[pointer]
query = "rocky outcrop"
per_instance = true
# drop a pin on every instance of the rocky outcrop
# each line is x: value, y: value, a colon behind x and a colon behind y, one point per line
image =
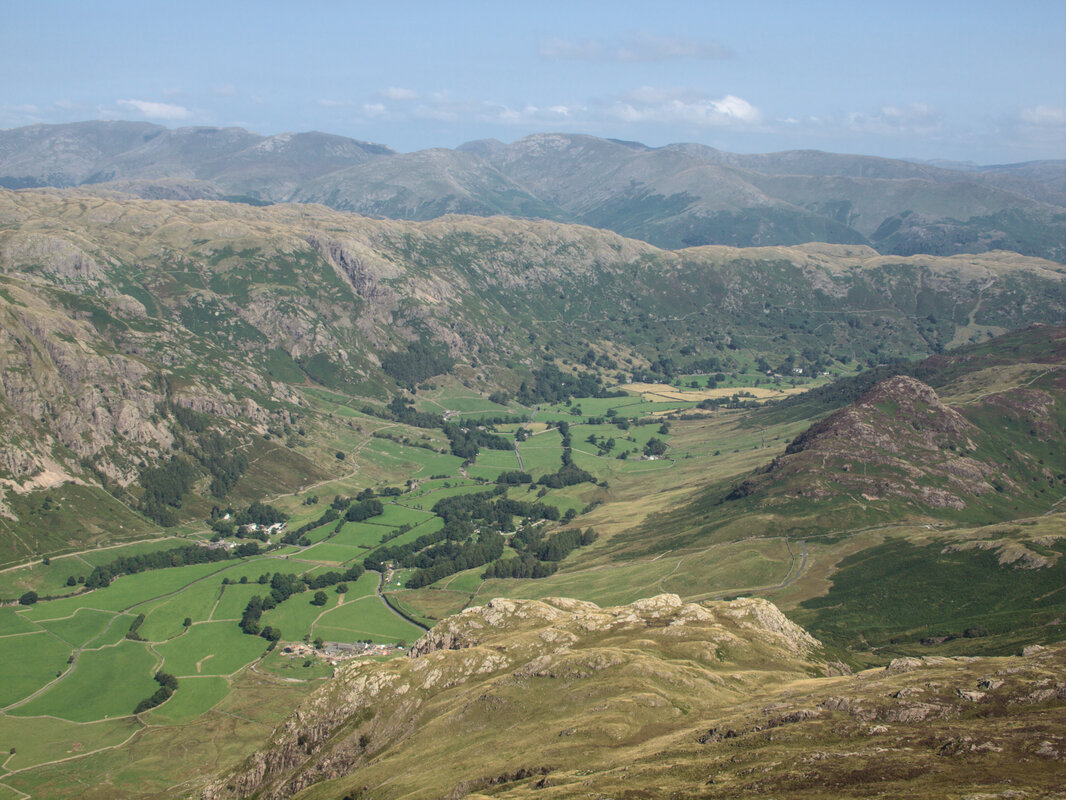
x: 481, y: 656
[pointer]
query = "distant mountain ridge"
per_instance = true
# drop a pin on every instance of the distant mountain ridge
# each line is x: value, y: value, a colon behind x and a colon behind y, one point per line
x: 679, y: 195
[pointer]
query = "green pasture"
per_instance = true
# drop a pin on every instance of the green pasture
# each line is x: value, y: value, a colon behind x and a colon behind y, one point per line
x: 542, y: 453
x: 42, y: 739
x: 396, y: 515
x: 210, y: 648
x: 427, y: 500
x: 316, y: 535
x: 331, y: 553
x: 366, y: 618
x: 28, y: 662
x: 235, y: 597
x: 294, y: 617
x: 166, y: 617
x: 468, y: 581
x: 102, y: 556
x: 196, y: 695
x: 104, y: 683
x: 85, y: 625
x: 407, y: 461
x: 127, y: 591
x: 362, y: 535
x: 431, y: 525
x: 12, y: 622
x: 505, y: 459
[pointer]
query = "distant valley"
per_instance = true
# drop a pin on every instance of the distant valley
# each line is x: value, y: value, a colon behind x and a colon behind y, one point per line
x: 642, y: 470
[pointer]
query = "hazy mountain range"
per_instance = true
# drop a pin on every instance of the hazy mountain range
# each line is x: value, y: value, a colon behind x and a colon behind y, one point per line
x: 679, y: 195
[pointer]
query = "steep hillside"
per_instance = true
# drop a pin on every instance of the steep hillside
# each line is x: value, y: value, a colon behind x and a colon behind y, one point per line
x: 124, y: 319
x: 680, y: 195
x: 564, y: 699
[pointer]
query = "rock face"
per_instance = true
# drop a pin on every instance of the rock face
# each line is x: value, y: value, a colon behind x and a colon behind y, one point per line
x: 561, y: 698
x: 615, y: 670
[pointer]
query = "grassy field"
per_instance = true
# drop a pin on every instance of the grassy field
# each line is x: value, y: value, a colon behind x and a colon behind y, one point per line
x: 196, y: 696
x: 210, y: 648
x: 28, y: 662
x: 103, y: 683
x: 366, y: 618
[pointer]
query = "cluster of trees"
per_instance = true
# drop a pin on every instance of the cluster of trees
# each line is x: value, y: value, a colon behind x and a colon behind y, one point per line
x: 521, y: 567
x: 241, y: 523
x: 168, y: 684
x: 201, y: 450
x: 176, y: 557
x: 402, y: 410
x: 467, y: 442
x: 164, y: 487
x: 568, y: 474
x: 284, y: 585
x: 417, y: 363
x: 550, y: 385
x: 538, y: 555
x: 533, y: 543
x: 365, y: 509
x: 452, y: 549
x: 135, y: 626
x: 449, y: 557
x: 514, y: 477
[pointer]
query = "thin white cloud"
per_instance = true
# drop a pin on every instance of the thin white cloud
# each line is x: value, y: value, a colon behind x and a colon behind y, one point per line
x: 397, y: 93
x: 153, y: 110
x: 639, y: 48
x: 325, y: 102
x: 224, y: 90
x: 910, y: 119
x: 1049, y: 116
x: 654, y: 105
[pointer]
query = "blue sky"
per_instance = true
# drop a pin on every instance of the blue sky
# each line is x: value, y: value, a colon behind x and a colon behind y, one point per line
x: 977, y: 81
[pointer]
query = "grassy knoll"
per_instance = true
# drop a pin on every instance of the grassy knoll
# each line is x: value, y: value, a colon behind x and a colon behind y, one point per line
x: 85, y: 625
x: 469, y: 581
x: 367, y: 618
x: 104, y: 683
x: 166, y: 617
x: 44, y: 739
x: 210, y: 648
x: 197, y: 696
x: 28, y: 662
